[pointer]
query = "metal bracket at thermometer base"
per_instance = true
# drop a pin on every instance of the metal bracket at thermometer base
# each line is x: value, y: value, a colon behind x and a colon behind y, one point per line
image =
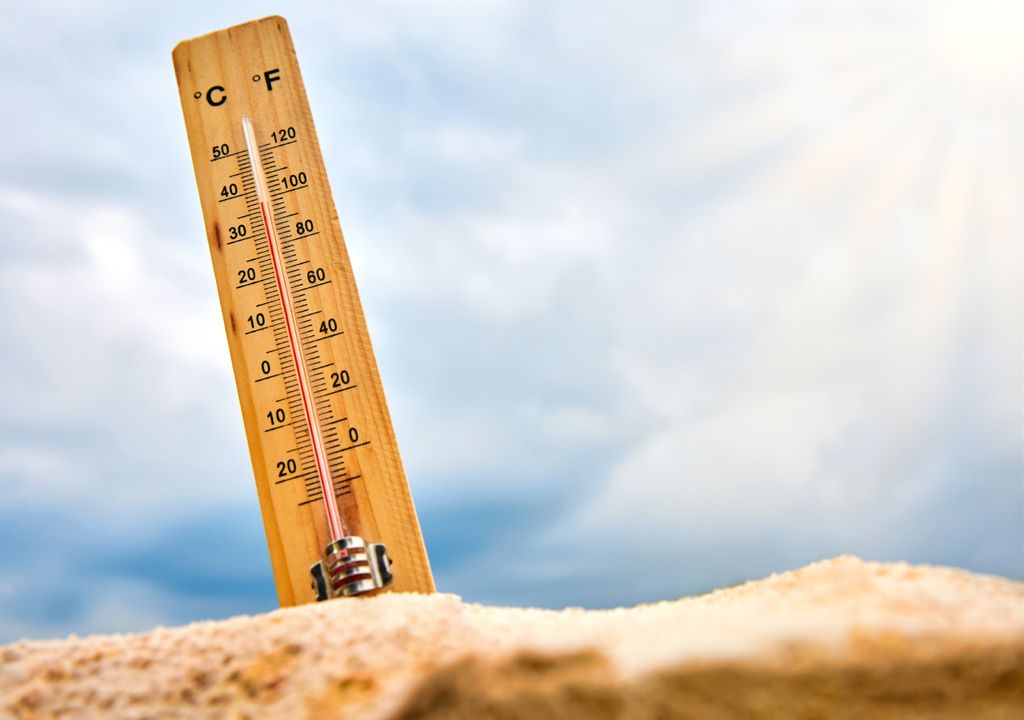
x: 351, y: 566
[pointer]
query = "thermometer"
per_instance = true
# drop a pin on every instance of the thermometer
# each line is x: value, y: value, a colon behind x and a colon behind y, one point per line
x: 336, y: 506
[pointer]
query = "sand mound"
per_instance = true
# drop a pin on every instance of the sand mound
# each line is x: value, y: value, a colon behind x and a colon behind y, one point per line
x: 841, y: 638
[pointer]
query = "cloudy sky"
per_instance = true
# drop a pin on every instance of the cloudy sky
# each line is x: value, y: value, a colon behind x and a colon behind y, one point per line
x: 700, y: 290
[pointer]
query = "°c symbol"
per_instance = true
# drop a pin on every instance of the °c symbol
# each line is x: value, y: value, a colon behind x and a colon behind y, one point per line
x: 220, y: 99
x: 197, y: 94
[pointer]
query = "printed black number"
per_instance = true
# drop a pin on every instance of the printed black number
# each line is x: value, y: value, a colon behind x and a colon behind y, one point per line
x: 265, y: 367
x: 294, y: 181
x: 247, y: 275
x: 316, y: 276
x: 257, y: 320
x: 306, y: 226
x: 237, y: 231
x: 220, y: 151
x: 340, y: 379
x: 276, y: 417
x: 329, y: 325
x: 353, y: 434
x: 286, y: 468
x: 287, y: 133
x: 229, y: 190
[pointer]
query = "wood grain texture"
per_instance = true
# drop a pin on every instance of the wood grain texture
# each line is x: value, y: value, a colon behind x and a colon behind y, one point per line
x: 252, y: 69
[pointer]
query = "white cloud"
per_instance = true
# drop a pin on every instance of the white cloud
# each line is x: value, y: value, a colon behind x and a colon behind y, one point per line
x: 821, y: 354
x: 109, y: 343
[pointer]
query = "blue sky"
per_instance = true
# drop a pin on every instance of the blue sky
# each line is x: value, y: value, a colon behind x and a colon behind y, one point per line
x: 702, y: 290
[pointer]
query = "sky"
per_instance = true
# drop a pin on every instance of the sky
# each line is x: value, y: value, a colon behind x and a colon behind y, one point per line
x: 665, y: 296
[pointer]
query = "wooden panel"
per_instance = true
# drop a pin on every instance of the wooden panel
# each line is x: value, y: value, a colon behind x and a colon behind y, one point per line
x: 251, y: 70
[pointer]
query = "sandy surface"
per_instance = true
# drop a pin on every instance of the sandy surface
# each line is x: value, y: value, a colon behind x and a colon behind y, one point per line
x: 840, y: 638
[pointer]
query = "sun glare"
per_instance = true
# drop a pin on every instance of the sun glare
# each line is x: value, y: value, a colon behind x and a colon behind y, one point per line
x: 980, y: 41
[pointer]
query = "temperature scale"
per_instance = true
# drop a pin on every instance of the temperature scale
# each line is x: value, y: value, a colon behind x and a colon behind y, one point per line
x: 336, y: 506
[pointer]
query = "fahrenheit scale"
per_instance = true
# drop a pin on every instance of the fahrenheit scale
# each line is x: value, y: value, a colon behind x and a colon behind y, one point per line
x: 336, y: 506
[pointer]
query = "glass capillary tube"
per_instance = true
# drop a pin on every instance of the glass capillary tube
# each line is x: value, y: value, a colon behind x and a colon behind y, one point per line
x: 334, y: 524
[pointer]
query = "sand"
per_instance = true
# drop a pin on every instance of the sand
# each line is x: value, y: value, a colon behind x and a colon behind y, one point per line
x: 840, y: 638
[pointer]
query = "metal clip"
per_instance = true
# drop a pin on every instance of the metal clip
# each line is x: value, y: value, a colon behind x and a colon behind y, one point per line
x: 351, y: 566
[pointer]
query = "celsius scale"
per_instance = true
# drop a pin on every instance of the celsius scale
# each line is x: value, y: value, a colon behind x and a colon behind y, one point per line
x: 336, y: 506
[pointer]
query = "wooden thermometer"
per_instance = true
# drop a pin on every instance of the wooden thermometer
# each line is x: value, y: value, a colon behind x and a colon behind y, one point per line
x: 336, y: 506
